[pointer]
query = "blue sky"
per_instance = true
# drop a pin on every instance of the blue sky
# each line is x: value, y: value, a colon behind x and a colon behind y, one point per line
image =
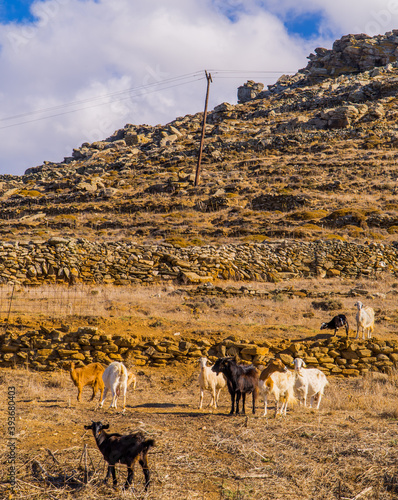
x: 16, y: 11
x: 75, y: 71
x: 305, y: 25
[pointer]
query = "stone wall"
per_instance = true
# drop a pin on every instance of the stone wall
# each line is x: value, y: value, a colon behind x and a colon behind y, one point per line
x: 78, y: 260
x: 48, y: 350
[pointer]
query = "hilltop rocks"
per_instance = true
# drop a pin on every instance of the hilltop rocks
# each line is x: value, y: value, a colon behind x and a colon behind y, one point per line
x: 249, y: 91
x: 354, y: 54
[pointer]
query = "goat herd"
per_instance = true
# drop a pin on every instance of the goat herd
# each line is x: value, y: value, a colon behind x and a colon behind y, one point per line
x: 286, y: 386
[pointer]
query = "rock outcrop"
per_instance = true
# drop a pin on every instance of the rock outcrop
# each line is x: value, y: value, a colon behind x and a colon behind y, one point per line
x: 354, y: 54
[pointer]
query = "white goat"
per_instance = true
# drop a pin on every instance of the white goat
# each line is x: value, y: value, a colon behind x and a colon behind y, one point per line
x: 210, y: 381
x: 309, y: 382
x: 365, y: 319
x: 278, y: 381
x: 116, y: 379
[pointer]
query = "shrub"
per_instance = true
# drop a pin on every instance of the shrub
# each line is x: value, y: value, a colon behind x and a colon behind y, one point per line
x: 255, y: 238
x: 343, y: 212
x: 334, y: 237
x: 327, y: 305
x: 376, y: 236
x: 31, y: 193
x: 177, y: 241
x: 353, y: 231
x: 312, y: 227
x: 308, y: 214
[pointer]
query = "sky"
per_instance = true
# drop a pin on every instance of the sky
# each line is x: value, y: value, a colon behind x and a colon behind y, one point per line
x: 74, y: 71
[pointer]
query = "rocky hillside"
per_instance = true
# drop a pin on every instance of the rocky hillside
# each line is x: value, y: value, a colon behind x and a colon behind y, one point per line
x: 312, y: 157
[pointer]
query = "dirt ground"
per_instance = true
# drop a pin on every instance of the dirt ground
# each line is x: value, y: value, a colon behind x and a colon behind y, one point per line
x: 348, y: 449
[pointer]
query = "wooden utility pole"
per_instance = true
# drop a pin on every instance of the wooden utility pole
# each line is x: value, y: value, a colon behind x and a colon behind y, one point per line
x: 209, y: 80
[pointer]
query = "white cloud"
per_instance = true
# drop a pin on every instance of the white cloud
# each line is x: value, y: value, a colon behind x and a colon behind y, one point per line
x: 79, y: 49
x: 341, y: 16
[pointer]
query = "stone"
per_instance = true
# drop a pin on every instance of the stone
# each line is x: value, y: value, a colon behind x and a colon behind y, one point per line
x: 249, y: 91
x: 363, y: 353
x: 286, y: 358
x: 255, y: 351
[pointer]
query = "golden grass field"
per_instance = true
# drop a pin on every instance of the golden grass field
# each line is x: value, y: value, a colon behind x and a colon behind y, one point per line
x: 347, y: 447
x: 346, y: 450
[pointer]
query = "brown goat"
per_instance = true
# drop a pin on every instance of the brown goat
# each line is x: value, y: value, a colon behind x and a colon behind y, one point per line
x: 88, y: 375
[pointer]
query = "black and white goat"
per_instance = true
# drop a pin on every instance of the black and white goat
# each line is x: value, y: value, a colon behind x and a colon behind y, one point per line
x: 335, y: 323
x: 125, y: 449
x: 241, y: 380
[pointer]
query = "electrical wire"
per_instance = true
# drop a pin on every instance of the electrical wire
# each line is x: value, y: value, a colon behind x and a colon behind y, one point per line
x: 104, y: 96
x: 130, y: 93
x: 143, y: 92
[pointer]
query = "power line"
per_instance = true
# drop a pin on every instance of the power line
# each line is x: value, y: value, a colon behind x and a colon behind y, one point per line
x: 130, y: 96
x: 104, y: 96
x: 129, y: 93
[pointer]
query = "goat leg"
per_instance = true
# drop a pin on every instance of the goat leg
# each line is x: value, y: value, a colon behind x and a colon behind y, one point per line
x: 217, y: 398
x: 232, y: 403
x: 108, y: 474
x: 94, y: 391
x: 114, y: 475
x: 243, y: 402
x: 254, y: 398
x: 145, y: 469
x: 238, y: 394
x: 201, y: 399
x: 130, y: 476
x: 103, y: 397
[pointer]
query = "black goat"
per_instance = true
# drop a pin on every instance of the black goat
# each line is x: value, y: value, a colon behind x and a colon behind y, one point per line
x: 125, y: 449
x: 337, y: 322
x: 241, y: 380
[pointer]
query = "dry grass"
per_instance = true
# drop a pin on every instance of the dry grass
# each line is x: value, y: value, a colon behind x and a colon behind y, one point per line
x: 346, y: 448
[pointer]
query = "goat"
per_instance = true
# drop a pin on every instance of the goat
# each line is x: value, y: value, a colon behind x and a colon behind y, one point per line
x: 125, y: 449
x: 337, y: 322
x: 116, y: 379
x: 309, y: 382
x: 210, y: 381
x: 277, y: 380
x: 365, y: 319
x: 241, y: 380
x: 87, y: 375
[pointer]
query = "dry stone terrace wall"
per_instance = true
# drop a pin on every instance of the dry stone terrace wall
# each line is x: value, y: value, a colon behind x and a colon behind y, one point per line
x: 48, y: 350
x: 63, y: 260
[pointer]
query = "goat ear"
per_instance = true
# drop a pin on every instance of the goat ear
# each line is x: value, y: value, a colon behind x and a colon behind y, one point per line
x: 88, y: 427
x: 105, y: 426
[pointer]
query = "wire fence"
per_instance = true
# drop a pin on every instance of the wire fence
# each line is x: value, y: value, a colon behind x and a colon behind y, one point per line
x: 63, y: 301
